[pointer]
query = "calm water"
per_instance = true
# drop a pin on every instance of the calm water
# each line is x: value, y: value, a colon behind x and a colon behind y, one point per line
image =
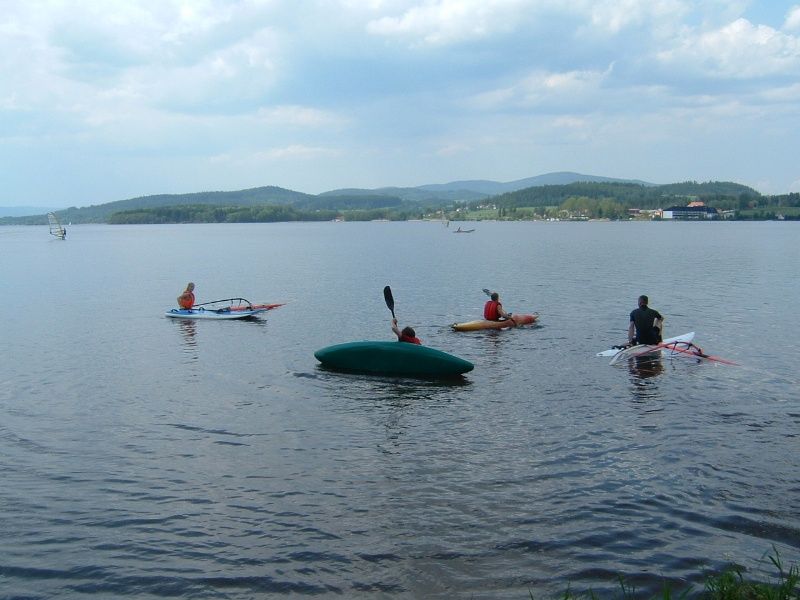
x: 145, y: 457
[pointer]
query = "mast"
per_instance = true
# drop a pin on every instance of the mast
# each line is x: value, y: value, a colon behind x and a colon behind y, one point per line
x: 55, y: 227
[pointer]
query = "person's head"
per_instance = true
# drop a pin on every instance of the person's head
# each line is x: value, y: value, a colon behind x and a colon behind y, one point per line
x: 190, y: 287
x: 643, y: 301
x: 495, y: 296
x: 408, y: 332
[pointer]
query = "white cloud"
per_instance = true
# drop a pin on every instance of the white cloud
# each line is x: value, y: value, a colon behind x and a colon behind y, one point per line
x: 543, y: 88
x: 792, y: 22
x: 300, y: 88
x: 453, y: 149
x: 441, y: 22
x: 738, y: 50
x: 295, y: 151
x: 447, y: 21
x: 299, y: 115
x: 789, y: 94
x: 612, y: 16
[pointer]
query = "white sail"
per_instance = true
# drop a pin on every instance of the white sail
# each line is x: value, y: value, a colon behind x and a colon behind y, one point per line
x: 55, y: 227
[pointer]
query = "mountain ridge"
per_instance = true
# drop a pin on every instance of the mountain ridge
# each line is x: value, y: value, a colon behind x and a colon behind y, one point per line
x: 422, y: 196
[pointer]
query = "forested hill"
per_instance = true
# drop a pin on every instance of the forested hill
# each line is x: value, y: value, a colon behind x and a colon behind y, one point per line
x: 274, y: 203
x: 260, y: 196
x: 631, y: 194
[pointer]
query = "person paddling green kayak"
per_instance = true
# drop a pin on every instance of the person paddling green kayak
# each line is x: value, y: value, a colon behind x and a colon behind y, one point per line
x: 407, y: 334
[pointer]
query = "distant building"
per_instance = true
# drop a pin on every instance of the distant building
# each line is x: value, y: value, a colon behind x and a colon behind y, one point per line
x: 640, y: 213
x: 694, y: 211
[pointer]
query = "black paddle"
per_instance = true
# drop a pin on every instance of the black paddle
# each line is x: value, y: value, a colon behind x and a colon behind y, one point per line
x: 510, y: 318
x: 387, y: 295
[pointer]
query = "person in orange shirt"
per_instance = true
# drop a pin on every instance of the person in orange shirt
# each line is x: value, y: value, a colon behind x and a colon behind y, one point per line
x: 186, y: 299
x: 493, y: 309
x: 408, y: 334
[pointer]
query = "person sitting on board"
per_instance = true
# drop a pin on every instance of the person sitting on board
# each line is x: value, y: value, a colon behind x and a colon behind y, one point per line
x: 493, y: 309
x: 645, y: 323
x: 408, y: 335
x: 186, y: 299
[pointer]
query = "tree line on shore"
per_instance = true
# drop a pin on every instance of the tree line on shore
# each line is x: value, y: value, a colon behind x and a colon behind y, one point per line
x: 606, y: 200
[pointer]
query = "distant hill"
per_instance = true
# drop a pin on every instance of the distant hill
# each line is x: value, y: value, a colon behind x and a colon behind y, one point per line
x: 477, y: 189
x: 542, y: 190
x: 419, y: 194
x: 21, y: 211
x: 270, y: 195
x: 628, y: 194
x: 492, y: 188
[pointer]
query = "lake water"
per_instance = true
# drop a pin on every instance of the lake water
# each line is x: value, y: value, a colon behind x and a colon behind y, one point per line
x: 147, y: 457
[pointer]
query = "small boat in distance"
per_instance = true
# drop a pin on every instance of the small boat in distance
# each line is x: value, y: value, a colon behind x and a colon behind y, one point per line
x: 459, y: 230
x: 56, y: 228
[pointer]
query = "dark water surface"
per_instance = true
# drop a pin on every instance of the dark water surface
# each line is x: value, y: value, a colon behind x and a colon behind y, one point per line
x: 149, y: 458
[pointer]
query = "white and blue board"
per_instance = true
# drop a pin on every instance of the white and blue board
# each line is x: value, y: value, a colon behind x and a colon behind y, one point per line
x: 620, y: 354
x: 222, y: 313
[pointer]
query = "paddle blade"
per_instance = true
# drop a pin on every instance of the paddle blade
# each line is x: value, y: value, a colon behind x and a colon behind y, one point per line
x: 387, y: 295
x: 487, y: 292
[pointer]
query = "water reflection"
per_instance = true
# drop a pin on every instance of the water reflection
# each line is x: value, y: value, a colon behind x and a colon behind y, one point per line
x: 189, y: 333
x: 643, y: 371
x: 645, y: 367
x: 393, y: 403
x: 386, y: 386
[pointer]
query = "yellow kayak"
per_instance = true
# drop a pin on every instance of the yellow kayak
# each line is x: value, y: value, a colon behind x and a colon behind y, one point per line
x: 482, y: 324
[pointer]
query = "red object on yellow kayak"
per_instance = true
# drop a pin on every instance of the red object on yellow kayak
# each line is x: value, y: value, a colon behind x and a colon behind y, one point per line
x: 516, y: 320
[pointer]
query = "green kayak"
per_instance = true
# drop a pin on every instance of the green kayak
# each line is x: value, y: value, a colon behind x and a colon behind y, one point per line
x: 392, y: 358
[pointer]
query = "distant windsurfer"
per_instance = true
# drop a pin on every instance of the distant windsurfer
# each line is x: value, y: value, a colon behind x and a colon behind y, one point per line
x: 646, y: 323
x: 186, y: 299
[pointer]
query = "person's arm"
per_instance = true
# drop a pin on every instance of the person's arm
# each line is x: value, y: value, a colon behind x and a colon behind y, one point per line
x: 631, y: 331
x: 396, y: 329
x: 501, y: 312
x: 658, y: 323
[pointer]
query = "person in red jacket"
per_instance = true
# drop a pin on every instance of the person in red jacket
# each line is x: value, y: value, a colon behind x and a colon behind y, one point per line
x: 408, y: 335
x: 493, y: 309
x: 186, y: 299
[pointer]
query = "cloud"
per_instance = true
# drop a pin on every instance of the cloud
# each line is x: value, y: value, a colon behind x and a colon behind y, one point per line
x: 301, y: 116
x: 294, y: 151
x: 543, y: 89
x: 443, y: 22
x: 453, y: 149
x: 325, y: 94
x: 792, y: 22
x: 739, y: 50
x: 611, y: 17
x: 448, y: 21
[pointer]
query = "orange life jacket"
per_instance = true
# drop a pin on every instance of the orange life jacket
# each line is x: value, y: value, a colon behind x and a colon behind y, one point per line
x: 410, y: 340
x: 186, y: 300
x: 491, y: 310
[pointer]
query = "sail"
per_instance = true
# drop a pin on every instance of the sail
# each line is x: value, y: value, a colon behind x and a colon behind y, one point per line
x: 55, y: 227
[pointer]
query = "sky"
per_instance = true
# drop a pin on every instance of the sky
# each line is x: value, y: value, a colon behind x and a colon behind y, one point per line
x: 103, y: 100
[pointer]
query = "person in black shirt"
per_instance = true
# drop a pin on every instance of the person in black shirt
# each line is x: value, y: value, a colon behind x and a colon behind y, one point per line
x: 645, y: 323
